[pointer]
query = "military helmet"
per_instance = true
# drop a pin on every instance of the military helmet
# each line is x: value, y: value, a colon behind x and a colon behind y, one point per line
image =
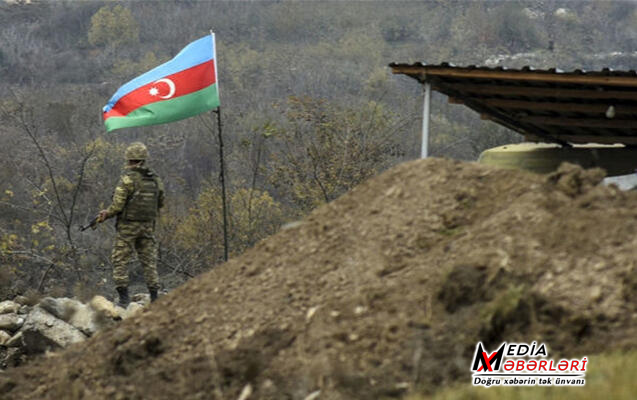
x: 137, y: 151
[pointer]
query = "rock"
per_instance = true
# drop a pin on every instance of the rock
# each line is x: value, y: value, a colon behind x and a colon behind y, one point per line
x: 14, y: 358
x: 11, y: 322
x: 246, y: 392
x: 53, y: 307
x: 402, y: 385
x: 42, y: 331
x: 62, y: 308
x: 310, y: 313
x: 573, y: 180
x: 313, y: 396
x: 142, y: 298
x: 85, y: 319
x: 105, y: 308
x: 596, y: 293
x: 24, y: 310
x: 291, y: 225
x: 9, y: 307
x: 16, y: 340
x: 4, y: 337
x: 132, y: 309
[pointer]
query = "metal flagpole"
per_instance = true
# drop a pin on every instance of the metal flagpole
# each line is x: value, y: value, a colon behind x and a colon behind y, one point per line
x: 222, y: 169
x: 222, y: 179
x: 425, y: 122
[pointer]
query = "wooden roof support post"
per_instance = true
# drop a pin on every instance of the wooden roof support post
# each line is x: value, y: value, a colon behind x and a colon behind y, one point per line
x: 425, y: 121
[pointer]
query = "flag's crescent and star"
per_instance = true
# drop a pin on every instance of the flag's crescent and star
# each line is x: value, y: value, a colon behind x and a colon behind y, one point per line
x: 171, y: 88
x: 180, y: 88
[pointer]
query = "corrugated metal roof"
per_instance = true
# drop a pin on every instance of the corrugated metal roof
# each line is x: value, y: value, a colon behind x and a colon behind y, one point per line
x: 546, y: 105
x: 527, y: 68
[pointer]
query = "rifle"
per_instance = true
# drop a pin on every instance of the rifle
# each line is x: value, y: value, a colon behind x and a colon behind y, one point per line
x: 92, y: 224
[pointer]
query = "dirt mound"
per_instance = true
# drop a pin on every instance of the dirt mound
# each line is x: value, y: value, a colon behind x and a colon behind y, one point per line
x: 386, y: 289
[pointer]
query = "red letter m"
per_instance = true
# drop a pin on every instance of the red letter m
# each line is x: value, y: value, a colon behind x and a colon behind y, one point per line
x: 488, y: 362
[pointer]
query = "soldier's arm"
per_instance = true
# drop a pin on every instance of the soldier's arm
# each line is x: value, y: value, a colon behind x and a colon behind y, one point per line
x: 123, y: 190
x: 161, y: 197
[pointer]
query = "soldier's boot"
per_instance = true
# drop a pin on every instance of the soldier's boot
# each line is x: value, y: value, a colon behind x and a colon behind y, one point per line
x: 123, y: 296
x: 153, y: 294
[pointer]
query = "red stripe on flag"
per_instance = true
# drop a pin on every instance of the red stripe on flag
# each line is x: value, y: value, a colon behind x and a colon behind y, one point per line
x: 186, y: 81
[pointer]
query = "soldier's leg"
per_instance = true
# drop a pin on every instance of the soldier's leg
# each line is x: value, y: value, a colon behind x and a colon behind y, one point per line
x: 120, y: 257
x: 146, y: 247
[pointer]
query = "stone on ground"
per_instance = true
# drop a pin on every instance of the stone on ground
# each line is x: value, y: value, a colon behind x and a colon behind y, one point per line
x: 105, y: 308
x: 11, y: 322
x: 4, y: 338
x: 43, y: 331
x: 8, y: 307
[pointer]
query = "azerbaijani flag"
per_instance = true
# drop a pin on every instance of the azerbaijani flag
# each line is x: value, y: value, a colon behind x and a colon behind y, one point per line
x: 182, y: 87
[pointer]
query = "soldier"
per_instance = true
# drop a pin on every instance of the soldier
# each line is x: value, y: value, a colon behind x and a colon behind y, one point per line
x: 136, y: 202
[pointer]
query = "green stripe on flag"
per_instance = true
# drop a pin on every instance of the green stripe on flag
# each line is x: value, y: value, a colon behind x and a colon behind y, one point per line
x: 168, y: 110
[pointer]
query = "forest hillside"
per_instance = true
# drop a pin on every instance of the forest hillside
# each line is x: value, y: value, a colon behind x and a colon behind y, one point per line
x: 356, y: 271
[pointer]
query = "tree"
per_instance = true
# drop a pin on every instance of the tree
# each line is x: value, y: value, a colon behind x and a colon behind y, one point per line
x: 46, y: 210
x: 515, y: 29
x: 126, y: 68
x: 113, y: 26
x: 254, y: 215
x: 323, y: 150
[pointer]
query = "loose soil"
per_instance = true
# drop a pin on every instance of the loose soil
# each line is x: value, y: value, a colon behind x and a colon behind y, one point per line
x: 383, y: 291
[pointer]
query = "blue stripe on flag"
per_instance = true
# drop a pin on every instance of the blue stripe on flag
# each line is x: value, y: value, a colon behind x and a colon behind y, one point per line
x: 195, y: 53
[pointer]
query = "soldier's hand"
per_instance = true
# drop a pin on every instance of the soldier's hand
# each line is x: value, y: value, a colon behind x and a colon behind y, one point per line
x: 102, y: 216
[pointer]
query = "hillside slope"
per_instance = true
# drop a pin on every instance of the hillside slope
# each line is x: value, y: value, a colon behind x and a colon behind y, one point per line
x: 384, y: 290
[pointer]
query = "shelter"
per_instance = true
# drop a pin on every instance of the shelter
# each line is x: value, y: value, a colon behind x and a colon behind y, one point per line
x: 549, y: 106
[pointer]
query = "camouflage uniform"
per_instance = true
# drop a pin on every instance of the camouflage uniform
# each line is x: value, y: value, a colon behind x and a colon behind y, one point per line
x: 134, y: 235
